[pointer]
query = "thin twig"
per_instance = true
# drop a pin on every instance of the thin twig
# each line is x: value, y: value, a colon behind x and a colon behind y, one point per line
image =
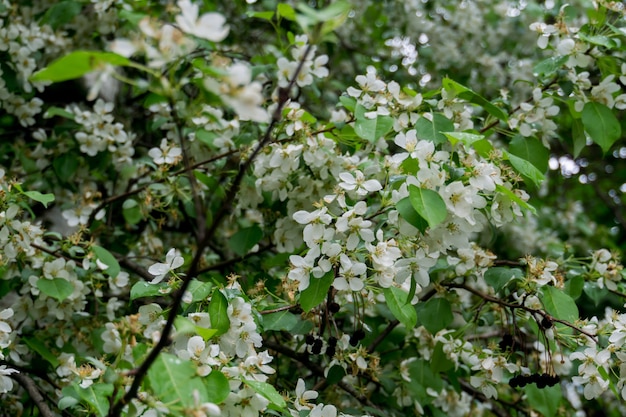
x: 135, y: 191
x: 277, y: 309
x: 542, y: 313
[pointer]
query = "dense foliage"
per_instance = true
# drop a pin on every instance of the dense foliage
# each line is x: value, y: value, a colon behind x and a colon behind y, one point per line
x: 324, y: 208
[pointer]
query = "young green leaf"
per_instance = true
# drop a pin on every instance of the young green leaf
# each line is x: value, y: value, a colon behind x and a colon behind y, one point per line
x: 279, y: 321
x: 432, y: 129
x: 172, y: 379
x: 131, y: 211
x: 217, y: 387
x: 316, y: 291
x: 545, y: 400
x: 465, y: 93
x: 41, y: 348
x: 268, y: 391
x: 44, y: 199
x: 78, y: 63
x: 371, y: 129
x: 525, y: 168
x: 515, y: 198
x: 558, y: 304
x: 498, y: 277
x: 428, y: 204
x: 96, y: 396
x: 65, y: 166
x: 58, y: 288
x: 532, y: 150
x: 143, y: 289
x: 601, y: 125
x: 435, y: 314
x: 245, y: 239
x: 113, y: 267
x: 218, y: 311
x: 397, y: 302
x: 408, y: 213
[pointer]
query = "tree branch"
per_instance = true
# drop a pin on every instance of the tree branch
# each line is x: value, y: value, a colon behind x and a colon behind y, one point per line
x: 520, y: 306
x: 29, y: 385
x: 141, y: 372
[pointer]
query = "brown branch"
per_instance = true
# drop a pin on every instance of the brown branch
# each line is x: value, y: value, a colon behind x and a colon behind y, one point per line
x: 129, y: 193
x: 141, y: 372
x: 193, y: 184
x: 29, y: 385
x: 228, y: 262
x: 542, y: 313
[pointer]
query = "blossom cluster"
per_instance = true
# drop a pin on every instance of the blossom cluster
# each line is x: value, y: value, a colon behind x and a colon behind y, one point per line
x: 278, y: 220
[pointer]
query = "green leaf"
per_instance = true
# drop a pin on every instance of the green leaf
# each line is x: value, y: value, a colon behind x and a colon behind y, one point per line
x: 465, y: 93
x: 260, y: 15
x: 98, y: 395
x: 279, y: 321
x: 132, y: 17
x: 599, y: 40
x: 408, y: 213
x: 286, y: 11
x: 331, y: 16
x: 432, y: 130
x: 428, y: 204
x: 532, y: 150
x: 61, y: 13
x: 401, y: 308
x: 132, y: 211
x: 515, y: 198
x: 435, y: 314
x: 316, y: 291
x: 44, y: 199
x: 371, y: 129
x: 545, y: 400
x: 601, y: 125
x: 65, y: 166
x: 574, y: 286
x: 185, y: 325
x: 422, y: 377
x: 335, y: 374
x: 199, y: 290
x: 143, y: 289
x: 108, y: 259
x: 218, y: 312
x: 172, y: 380
x: 595, y: 293
x: 525, y: 168
x: 348, y: 102
x: 558, y: 304
x: 58, y: 111
x: 268, y: 391
x: 482, y: 145
x: 439, y: 361
x: 549, y: 66
x: 43, y: 351
x: 245, y: 239
x: 217, y: 387
x: 498, y: 277
x: 58, y: 288
x: 78, y: 63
